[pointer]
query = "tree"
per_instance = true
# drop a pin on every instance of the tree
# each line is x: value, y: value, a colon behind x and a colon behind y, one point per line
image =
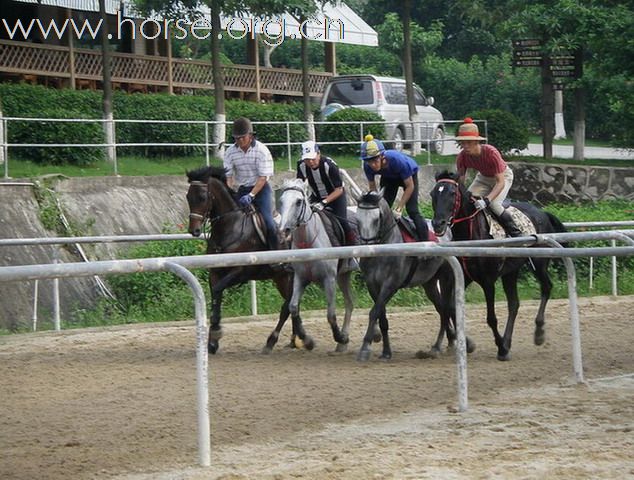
x: 177, y: 8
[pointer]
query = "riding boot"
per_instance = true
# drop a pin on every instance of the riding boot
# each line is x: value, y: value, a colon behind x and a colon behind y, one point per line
x: 507, y: 222
x: 421, y: 229
x: 350, y: 264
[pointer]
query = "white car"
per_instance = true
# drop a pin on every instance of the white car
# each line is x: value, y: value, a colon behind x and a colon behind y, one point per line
x: 386, y: 97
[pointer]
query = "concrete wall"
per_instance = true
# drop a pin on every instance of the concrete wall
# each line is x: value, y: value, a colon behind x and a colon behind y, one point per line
x: 146, y: 205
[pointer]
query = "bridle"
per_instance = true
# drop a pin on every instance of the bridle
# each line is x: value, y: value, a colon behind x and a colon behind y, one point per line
x: 382, y: 233
x: 302, y: 212
x: 203, y: 185
x: 456, y: 203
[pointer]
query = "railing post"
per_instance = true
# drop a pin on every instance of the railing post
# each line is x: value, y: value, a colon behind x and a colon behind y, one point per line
x: 288, y: 146
x: 4, y: 151
x: 615, y: 290
x: 56, y: 306
x: 34, y: 317
x: 202, y: 361
x: 206, y: 143
x: 461, y: 336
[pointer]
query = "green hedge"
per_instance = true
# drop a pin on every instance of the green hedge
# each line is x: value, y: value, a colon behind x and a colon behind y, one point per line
x: 350, y: 132
x: 20, y: 100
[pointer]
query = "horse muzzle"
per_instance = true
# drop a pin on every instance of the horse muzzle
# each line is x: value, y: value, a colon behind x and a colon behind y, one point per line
x: 440, y: 226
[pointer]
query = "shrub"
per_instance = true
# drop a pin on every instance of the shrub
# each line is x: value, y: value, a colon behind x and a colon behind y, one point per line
x: 270, y: 112
x: 350, y: 132
x: 162, y: 107
x: 505, y: 131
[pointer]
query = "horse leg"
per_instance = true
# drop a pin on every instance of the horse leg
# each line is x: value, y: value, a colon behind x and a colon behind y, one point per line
x: 300, y: 339
x: 541, y: 273
x: 384, y: 326
x: 343, y: 281
x: 284, y: 286
x: 365, y: 350
x: 509, y: 282
x: 433, y: 294
x: 492, y: 321
x: 329, y: 285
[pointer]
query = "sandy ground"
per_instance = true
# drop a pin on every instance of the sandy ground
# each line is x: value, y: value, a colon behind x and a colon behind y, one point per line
x: 121, y: 403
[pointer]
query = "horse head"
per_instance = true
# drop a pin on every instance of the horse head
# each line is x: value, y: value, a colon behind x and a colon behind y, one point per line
x: 374, y: 217
x: 207, y: 185
x: 449, y: 200
x: 294, y: 207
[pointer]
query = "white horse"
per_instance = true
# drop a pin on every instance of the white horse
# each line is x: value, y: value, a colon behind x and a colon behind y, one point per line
x: 307, y: 230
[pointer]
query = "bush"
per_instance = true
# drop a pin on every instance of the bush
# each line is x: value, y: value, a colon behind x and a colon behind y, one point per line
x: 162, y: 107
x: 505, y: 131
x: 270, y: 112
x: 350, y: 132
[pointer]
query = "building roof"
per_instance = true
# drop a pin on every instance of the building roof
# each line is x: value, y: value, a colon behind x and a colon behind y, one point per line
x: 345, y: 26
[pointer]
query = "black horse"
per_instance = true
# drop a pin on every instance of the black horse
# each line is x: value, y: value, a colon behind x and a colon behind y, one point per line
x: 233, y: 230
x: 453, y: 208
x: 384, y: 276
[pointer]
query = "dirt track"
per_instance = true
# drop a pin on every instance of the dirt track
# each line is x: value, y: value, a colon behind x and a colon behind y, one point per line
x: 120, y: 402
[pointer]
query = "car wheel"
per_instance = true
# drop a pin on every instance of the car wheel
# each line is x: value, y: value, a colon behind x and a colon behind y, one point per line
x: 398, y: 139
x: 437, y: 143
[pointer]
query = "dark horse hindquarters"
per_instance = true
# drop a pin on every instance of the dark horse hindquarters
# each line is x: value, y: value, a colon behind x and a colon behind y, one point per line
x: 453, y: 208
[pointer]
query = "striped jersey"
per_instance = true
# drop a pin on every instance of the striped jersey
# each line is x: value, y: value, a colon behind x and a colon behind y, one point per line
x: 246, y: 167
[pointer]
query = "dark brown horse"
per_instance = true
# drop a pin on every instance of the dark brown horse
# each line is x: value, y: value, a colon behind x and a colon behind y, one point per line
x: 453, y: 208
x: 232, y: 230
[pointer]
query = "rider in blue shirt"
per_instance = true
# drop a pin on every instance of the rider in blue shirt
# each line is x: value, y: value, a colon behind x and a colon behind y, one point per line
x: 396, y: 170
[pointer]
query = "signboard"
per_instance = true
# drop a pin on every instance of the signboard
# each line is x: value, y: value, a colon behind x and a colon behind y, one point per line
x: 527, y: 53
x: 527, y: 62
x: 527, y: 42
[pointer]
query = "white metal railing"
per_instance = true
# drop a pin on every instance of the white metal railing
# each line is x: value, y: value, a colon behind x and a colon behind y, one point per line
x: 512, y: 247
x: 77, y: 241
x: 110, y: 143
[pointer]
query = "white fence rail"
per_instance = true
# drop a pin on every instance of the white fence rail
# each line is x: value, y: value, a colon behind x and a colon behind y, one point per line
x: 111, y: 145
x: 513, y: 247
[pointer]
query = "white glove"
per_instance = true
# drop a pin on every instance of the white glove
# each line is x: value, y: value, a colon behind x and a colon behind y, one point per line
x: 480, y: 204
x: 397, y: 212
x: 318, y: 206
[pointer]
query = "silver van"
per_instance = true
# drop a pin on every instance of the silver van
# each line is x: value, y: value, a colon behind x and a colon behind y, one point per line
x: 386, y: 97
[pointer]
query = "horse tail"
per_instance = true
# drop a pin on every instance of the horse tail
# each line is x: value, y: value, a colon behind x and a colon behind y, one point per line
x: 557, y: 226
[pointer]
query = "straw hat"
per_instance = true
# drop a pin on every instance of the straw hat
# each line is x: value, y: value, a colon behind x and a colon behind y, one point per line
x: 469, y: 131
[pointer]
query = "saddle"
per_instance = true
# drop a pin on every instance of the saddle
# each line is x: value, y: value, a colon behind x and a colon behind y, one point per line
x: 333, y: 228
x: 521, y: 220
x: 408, y: 231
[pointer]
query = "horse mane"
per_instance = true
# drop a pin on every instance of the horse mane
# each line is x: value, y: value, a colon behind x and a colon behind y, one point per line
x: 446, y: 174
x: 203, y: 174
x: 370, y: 199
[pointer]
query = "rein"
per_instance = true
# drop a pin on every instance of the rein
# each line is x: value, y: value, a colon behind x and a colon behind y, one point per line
x: 382, y: 234
x: 457, y: 203
x: 300, y: 226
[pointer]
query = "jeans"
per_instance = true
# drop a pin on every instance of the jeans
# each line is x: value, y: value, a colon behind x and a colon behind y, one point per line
x: 391, y: 186
x: 264, y: 205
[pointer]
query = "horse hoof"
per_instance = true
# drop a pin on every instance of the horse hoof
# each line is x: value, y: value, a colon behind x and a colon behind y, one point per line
x: 540, y: 338
x: 266, y: 350
x: 363, y: 355
x: 215, y: 334
x: 309, y: 343
x: 297, y: 343
x: 385, y: 356
x: 212, y: 347
x: 341, y: 347
x: 471, y: 346
x: 504, y: 358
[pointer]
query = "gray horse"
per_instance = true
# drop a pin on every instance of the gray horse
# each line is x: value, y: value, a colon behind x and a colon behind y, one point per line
x: 384, y: 276
x: 307, y: 229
